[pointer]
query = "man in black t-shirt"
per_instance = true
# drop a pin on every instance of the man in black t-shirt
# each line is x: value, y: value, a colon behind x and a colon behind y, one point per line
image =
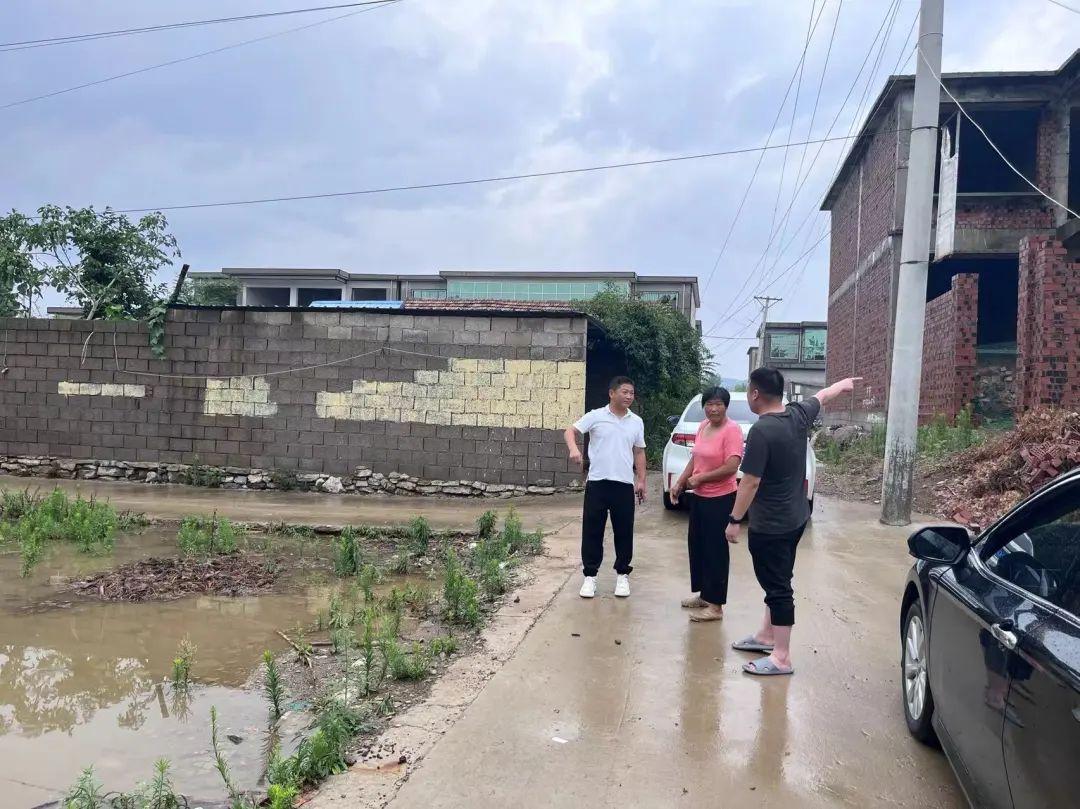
x: 772, y: 493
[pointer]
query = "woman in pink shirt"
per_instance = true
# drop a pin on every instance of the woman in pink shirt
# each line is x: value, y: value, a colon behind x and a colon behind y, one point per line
x: 709, y: 481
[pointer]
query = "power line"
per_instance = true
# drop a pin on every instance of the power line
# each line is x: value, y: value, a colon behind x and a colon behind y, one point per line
x: 893, y: 8
x: 1064, y: 6
x: 993, y: 145
x: 183, y: 59
x: 477, y: 181
x: 46, y: 42
x: 757, y: 167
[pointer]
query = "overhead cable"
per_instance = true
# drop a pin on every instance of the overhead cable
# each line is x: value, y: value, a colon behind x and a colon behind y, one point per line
x: 46, y: 42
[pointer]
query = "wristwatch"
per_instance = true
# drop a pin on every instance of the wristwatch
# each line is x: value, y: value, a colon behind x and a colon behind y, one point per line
x: 736, y: 520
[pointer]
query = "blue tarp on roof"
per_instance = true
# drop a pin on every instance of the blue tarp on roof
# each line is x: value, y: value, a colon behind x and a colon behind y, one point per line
x: 357, y: 304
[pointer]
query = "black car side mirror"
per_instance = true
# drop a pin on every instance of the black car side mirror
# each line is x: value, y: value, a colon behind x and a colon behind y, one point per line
x: 673, y: 420
x: 940, y: 544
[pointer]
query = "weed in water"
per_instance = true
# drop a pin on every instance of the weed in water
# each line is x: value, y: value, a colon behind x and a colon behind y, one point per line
x: 273, y: 686
x: 131, y: 521
x: 460, y: 595
x: 159, y: 792
x: 198, y: 475
x: 418, y: 535
x: 182, y: 663
x: 85, y: 793
x: 88, y: 524
x: 485, y: 524
x: 322, y: 754
x: 220, y: 763
x: 443, y: 645
x: 348, y: 553
x: 304, y: 650
x: 201, y: 536
x: 343, y: 640
x: 418, y: 599
x: 339, y: 615
x: 369, y: 577
x: 14, y: 504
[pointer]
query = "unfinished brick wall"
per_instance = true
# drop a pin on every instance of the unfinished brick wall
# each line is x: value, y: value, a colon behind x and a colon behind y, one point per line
x: 1048, y: 326
x: 949, y: 350
x: 474, y: 398
x: 863, y: 218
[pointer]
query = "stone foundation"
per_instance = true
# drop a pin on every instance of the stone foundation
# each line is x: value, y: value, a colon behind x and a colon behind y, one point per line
x: 362, y: 480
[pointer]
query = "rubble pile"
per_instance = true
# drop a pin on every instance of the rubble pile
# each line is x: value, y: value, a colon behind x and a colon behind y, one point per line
x: 987, y: 480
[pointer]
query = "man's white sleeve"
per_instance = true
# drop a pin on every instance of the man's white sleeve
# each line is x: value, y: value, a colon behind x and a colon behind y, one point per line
x: 640, y: 442
x: 586, y: 422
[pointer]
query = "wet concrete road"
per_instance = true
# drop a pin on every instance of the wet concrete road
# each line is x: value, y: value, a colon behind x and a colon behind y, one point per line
x: 308, y: 508
x: 614, y: 703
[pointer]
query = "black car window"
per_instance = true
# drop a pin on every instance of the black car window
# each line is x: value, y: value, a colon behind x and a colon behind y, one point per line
x: 1039, y: 549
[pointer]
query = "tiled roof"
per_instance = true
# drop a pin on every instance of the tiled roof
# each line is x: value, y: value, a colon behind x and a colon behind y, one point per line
x: 495, y: 306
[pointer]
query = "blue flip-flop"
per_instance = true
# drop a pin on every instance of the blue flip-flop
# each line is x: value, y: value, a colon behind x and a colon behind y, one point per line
x: 764, y: 667
x: 749, y: 644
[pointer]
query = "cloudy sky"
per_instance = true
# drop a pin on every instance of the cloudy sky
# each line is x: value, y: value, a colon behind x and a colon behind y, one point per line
x: 435, y: 90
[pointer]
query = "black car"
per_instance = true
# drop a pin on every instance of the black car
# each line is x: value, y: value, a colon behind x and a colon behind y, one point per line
x: 990, y: 637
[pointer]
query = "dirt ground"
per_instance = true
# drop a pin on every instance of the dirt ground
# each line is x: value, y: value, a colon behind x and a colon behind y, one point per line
x: 860, y: 481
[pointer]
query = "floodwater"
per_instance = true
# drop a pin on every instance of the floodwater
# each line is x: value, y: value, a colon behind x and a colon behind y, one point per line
x: 87, y: 683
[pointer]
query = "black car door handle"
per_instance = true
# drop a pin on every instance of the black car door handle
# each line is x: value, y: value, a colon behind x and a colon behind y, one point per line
x: 1004, y: 635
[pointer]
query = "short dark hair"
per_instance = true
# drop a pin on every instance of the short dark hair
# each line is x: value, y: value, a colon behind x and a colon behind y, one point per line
x: 715, y: 392
x: 618, y: 381
x: 768, y: 381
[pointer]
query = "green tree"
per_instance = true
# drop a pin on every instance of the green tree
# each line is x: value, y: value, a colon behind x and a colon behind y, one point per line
x: 21, y: 280
x: 665, y: 356
x: 221, y: 291
x: 101, y: 260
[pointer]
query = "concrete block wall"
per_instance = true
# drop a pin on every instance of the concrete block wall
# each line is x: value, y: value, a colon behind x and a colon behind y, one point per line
x: 949, y: 350
x: 461, y: 397
x: 1048, y: 326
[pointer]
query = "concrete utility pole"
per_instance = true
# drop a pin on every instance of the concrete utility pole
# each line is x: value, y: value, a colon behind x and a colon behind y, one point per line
x: 765, y: 302
x: 900, y: 442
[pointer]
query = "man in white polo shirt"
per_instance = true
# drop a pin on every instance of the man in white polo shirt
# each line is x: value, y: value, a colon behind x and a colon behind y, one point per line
x: 616, y: 478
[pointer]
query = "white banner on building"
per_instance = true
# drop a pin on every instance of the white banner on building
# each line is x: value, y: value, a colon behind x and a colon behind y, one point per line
x: 946, y: 201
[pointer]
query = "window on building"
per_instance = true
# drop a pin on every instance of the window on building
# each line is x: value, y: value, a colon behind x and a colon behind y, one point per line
x: 530, y: 290
x: 369, y: 294
x: 268, y: 296
x: 428, y: 294
x: 661, y: 297
x: 783, y: 345
x: 814, y: 344
x: 305, y: 296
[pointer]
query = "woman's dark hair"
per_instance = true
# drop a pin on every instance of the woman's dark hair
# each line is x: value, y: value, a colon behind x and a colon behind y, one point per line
x: 715, y: 392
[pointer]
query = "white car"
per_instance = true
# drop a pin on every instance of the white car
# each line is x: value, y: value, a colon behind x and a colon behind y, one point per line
x: 677, y: 451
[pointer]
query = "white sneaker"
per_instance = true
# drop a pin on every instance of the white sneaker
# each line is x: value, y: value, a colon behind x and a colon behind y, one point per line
x: 622, y: 586
x: 588, y: 587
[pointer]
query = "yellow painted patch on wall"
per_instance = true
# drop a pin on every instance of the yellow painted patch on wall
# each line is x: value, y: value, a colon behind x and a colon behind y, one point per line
x: 238, y: 396
x: 476, y: 393
x: 100, y: 389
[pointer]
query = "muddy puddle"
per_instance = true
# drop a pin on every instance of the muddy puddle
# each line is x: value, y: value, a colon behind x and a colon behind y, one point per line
x: 84, y: 682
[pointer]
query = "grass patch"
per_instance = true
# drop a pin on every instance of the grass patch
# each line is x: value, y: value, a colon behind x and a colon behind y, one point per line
x: 936, y: 439
x: 202, y: 536
x: 273, y: 686
x: 460, y: 594
x: 35, y: 523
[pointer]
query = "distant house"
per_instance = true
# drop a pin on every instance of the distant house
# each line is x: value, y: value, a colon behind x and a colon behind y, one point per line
x: 299, y: 287
x: 797, y: 350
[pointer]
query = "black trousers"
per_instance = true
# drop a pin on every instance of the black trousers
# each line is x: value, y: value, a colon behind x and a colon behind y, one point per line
x: 604, y: 497
x: 774, y: 565
x: 710, y: 559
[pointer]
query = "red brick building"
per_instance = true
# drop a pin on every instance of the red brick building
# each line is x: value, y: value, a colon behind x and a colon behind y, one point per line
x: 1003, y: 304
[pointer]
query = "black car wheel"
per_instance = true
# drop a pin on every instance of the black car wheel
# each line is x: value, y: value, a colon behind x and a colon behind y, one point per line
x: 917, y: 699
